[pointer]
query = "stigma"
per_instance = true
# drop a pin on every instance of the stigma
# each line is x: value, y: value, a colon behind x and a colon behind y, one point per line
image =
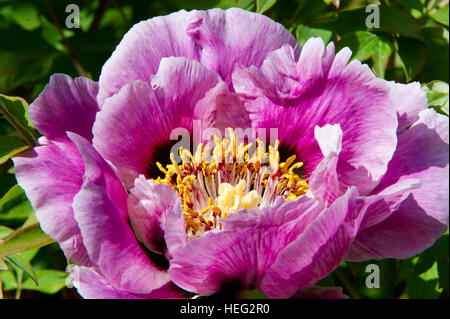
x: 213, y: 186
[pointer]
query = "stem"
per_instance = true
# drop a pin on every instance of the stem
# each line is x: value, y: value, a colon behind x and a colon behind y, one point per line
x: 19, y: 129
x: 72, y: 53
x: 98, y: 14
x: 1, y: 286
x: 122, y: 14
x: 347, y: 284
x: 19, y: 277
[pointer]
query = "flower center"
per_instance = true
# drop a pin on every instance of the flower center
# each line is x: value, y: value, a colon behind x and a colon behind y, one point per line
x: 213, y: 187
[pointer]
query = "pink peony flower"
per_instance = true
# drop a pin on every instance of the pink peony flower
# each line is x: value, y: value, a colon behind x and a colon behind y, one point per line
x: 359, y: 172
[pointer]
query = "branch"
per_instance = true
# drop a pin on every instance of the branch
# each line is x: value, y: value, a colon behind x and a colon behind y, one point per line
x: 72, y: 53
x: 98, y: 14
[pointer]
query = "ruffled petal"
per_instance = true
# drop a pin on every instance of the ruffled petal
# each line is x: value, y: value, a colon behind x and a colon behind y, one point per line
x: 218, y: 39
x: 149, y: 206
x: 238, y: 256
x: 51, y: 175
x: 317, y: 251
x: 66, y: 105
x: 92, y: 285
x: 183, y: 91
x: 109, y: 240
x: 409, y: 100
x: 324, y: 181
x: 296, y: 96
x: 422, y: 153
x: 381, y: 205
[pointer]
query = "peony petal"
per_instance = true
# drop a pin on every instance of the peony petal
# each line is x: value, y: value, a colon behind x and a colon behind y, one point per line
x: 149, y: 205
x: 218, y: 39
x: 238, y: 256
x: 317, y: 251
x: 324, y: 181
x: 296, y: 96
x: 66, y: 105
x: 409, y: 100
x: 183, y: 91
x: 92, y: 285
x: 381, y: 205
x: 109, y: 239
x: 51, y: 176
x: 422, y: 218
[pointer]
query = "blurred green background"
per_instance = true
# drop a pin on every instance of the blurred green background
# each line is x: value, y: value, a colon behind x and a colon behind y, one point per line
x: 411, y: 44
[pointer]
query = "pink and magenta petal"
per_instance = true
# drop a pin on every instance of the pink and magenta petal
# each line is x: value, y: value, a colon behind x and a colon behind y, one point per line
x: 317, y: 251
x: 324, y: 181
x: 92, y: 285
x: 149, y: 206
x: 422, y: 153
x: 319, y: 89
x: 239, y: 255
x: 108, y: 238
x: 218, y: 39
x: 409, y: 100
x: 51, y: 175
x: 66, y: 105
x: 182, y: 91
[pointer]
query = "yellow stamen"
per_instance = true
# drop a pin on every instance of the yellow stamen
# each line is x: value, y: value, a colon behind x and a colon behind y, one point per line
x: 212, y: 189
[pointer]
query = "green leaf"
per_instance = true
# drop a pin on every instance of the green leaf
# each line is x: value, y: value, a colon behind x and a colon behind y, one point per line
x: 24, y: 239
x: 50, y: 281
x: 424, y: 286
x: 412, y: 56
x: 5, y: 231
x: 362, y: 44
x: 9, y: 280
x: 427, y: 272
x: 10, y: 146
x: 438, y: 96
x: 244, y: 4
x: 392, y: 21
x: 264, y: 5
x: 30, y: 221
x: 15, y: 110
x: 437, y: 50
x: 441, y: 15
x: 304, y: 32
x: 14, y: 206
x: 26, y: 15
x: 365, y: 45
x: 24, y: 58
x: 442, y: 247
x: 415, y: 7
x: 3, y: 265
x: 405, y: 271
x: 23, y: 264
x: 381, y: 56
x: 306, y: 11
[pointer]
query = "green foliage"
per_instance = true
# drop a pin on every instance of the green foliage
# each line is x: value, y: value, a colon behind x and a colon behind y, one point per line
x: 24, y: 265
x: 264, y: 5
x: 15, y: 111
x: 24, y: 239
x: 411, y: 44
x: 14, y: 207
x: 437, y: 95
